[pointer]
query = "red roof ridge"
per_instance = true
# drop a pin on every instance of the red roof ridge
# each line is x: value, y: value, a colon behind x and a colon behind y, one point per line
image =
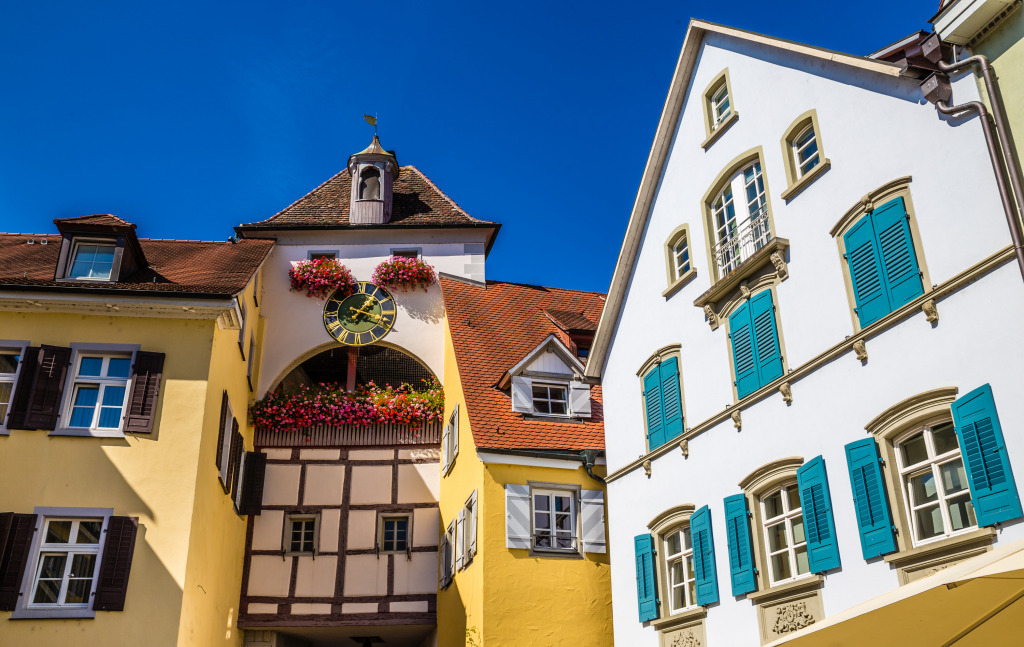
x: 443, y: 194
x: 94, y: 215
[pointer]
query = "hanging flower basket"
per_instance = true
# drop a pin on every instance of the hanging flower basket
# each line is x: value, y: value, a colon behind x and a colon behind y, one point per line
x: 404, y: 273
x: 332, y: 405
x: 320, y: 278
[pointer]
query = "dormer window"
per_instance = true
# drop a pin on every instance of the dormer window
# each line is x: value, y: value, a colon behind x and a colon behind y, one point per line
x: 369, y: 184
x: 548, y: 383
x: 550, y: 399
x: 91, y: 260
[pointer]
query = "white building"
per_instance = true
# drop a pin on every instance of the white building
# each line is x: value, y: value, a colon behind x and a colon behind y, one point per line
x: 817, y: 267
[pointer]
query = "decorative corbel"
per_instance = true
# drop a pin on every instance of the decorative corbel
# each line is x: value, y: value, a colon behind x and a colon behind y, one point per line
x: 931, y: 311
x: 709, y: 312
x: 779, y: 262
x: 684, y: 447
x: 647, y: 468
x: 787, y: 392
x: 861, y: 349
x: 744, y: 290
x: 737, y: 421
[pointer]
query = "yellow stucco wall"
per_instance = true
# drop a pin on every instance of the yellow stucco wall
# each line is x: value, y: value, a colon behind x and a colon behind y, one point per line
x: 537, y: 601
x: 1004, y: 47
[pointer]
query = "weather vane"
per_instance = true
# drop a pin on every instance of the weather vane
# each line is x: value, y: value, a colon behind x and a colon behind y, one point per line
x: 373, y: 122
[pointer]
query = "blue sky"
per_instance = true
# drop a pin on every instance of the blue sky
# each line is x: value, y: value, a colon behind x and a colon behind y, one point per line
x: 187, y: 118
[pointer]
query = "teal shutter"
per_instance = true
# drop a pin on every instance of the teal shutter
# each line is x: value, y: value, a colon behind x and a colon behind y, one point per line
x: 704, y: 557
x: 741, y: 563
x: 869, y: 288
x: 672, y: 407
x: 819, y: 525
x: 646, y: 592
x: 740, y: 331
x: 993, y: 491
x: 766, y: 338
x: 899, y: 262
x: 874, y: 520
x: 652, y: 402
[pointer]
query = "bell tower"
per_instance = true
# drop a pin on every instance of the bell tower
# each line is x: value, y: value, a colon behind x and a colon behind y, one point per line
x: 374, y: 171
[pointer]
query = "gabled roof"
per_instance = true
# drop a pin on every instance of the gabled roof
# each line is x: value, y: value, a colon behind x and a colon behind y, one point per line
x: 571, y: 321
x: 663, y: 137
x: 551, y: 342
x: 493, y: 328
x: 95, y: 222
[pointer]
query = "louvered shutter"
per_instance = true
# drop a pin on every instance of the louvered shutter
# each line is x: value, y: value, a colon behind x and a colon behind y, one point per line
x: 460, y: 539
x: 112, y: 584
x: 741, y: 564
x: 993, y: 490
x: 471, y: 523
x: 446, y: 439
x: 671, y: 404
x: 149, y: 368
x: 522, y: 394
x: 896, y: 246
x: 517, y: 516
x: 874, y: 519
x: 592, y: 520
x: 819, y: 525
x: 45, y: 395
x: 219, y: 458
x: 442, y: 562
x: 234, y: 467
x: 864, y: 261
x: 14, y: 552
x: 455, y: 433
x: 766, y: 338
x: 646, y: 591
x: 579, y: 399
x: 653, y: 406
x: 23, y: 388
x: 704, y: 557
x: 744, y: 361
x: 252, y: 487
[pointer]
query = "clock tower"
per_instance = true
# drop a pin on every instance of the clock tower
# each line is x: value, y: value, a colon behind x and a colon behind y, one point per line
x: 374, y: 171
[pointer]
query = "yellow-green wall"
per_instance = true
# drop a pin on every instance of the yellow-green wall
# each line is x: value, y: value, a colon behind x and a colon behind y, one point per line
x: 1004, y: 48
x: 537, y: 601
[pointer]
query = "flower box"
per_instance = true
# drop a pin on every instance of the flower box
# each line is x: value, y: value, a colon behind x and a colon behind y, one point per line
x: 321, y: 277
x: 404, y: 273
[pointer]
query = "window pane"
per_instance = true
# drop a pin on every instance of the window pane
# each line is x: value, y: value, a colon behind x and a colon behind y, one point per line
x: 542, y: 522
x: 78, y: 591
x: 944, y: 437
x: 89, y: 532
x: 806, y: 136
x: 793, y: 498
x: 100, y: 271
x: 557, y: 393
x: 90, y: 367
x: 53, y: 566
x: 922, y: 488
x: 677, y: 598
x: 961, y: 513
x: 58, y: 532
x: 802, y: 565
x: 540, y: 392
x: 798, y: 529
x: 8, y: 363
x: 119, y: 367
x: 773, y: 505
x: 810, y: 151
x: 47, y: 592
x: 777, y: 538
x: 929, y: 522
x: 82, y: 565
x: 563, y: 504
x: 113, y: 396
x: 686, y: 542
x: 103, y: 253
x: 674, y: 545
x: 563, y: 522
x: 780, y: 567
x: 558, y: 408
x: 914, y: 450
x: 5, y: 394
x: 954, y: 478
x: 540, y: 502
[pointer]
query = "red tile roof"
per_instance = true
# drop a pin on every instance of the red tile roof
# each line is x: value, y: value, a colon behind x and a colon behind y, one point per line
x: 95, y: 220
x: 493, y: 328
x: 417, y: 202
x: 175, y: 266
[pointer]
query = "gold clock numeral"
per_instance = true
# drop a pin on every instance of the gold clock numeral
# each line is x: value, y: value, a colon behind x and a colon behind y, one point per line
x: 332, y: 326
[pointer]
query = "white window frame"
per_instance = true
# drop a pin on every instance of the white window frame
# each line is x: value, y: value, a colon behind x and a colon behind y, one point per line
x: 333, y: 253
x: 16, y: 347
x: 798, y: 149
x: 550, y: 492
x: 718, y: 97
x: 286, y: 536
x: 785, y: 519
x: 25, y: 608
x: 933, y: 463
x: 382, y: 520
x: 78, y: 351
x: 225, y: 448
x: 685, y: 560
x: 738, y: 237
x: 680, y: 265
x: 550, y: 384
x: 103, y: 242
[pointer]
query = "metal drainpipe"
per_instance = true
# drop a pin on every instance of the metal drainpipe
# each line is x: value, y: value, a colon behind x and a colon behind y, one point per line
x: 589, y: 458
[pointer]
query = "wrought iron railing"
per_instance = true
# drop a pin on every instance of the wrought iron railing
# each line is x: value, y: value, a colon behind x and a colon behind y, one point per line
x: 741, y: 242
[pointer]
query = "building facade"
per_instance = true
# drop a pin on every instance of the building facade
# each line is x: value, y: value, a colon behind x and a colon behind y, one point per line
x: 804, y: 407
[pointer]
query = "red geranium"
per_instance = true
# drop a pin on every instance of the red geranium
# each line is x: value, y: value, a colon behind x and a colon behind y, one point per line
x: 403, y: 272
x: 320, y: 278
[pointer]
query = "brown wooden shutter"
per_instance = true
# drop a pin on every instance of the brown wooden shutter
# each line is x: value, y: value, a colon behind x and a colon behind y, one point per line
x: 252, y: 487
x: 26, y: 378
x: 237, y: 449
x: 47, y: 388
x: 149, y: 368
x: 14, y: 552
x: 112, y: 586
x: 219, y: 458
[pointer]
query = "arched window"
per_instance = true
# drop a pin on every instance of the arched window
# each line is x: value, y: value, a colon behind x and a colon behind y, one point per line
x: 803, y: 153
x: 369, y: 184
x: 678, y: 260
x: 739, y: 217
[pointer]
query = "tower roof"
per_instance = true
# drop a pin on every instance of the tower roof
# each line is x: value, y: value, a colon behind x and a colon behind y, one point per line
x: 376, y: 152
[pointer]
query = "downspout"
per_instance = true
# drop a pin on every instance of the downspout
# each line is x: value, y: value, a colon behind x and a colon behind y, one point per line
x: 936, y: 89
x: 589, y: 458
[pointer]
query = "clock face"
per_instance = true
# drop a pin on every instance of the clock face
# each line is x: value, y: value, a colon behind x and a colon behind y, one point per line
x: 362, y: 318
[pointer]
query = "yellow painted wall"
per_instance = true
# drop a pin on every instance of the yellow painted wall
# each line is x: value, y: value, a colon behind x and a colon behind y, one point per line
x: 537, y: 601
x: 1004, y: 47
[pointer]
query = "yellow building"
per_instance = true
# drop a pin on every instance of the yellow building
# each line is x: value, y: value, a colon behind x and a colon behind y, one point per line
x: 126, y: 367
x: 524, y: 559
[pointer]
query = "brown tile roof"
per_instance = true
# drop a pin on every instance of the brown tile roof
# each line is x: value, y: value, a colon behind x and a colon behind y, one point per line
x: 417, y: 202
x: 175, y: 266
x: 493, y: 328
x: 95, y: 220
x: 574, y: 321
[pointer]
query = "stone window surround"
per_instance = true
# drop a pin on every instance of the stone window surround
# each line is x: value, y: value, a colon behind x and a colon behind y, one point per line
x: 898, y: 188
x: 795, y: 182
x: 576, y: 492
x: 379, y: 539
x: 286, y: 535
x: 675, y: 283
x: 672, y: 519
x: 711, y: 130
x: 912, y: 562
x: 77, y: 350
x: 656, y: 358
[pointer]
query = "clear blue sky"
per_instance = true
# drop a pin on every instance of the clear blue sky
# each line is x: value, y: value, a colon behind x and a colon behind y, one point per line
x: 188, y: 118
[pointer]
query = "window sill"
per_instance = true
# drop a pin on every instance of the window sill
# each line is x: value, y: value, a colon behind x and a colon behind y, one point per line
x: 801, y: 184
x: 54, y: 614
x: 813, y: 581
x: 720, y: 130
x: 679, y: 618
x: 921, y: 561
x: 557, y: 554
x: 87, y: 433
x: 731, y: 281
x: 679, y: 283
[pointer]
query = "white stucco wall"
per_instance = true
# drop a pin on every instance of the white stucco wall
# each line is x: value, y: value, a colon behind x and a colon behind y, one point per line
x: 875, y: 129
x: 294, y: 322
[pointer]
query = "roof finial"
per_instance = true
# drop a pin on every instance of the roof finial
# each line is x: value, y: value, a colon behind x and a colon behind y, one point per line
x: 372, y: 121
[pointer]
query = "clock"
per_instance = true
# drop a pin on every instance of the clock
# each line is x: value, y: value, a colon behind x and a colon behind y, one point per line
x: 361, y: 318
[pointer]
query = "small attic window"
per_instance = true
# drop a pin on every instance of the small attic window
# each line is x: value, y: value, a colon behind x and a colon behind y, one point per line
x: 369, y: 184
x: 91, y: 260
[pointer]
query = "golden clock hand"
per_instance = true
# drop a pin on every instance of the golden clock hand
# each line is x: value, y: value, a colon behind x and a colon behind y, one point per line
x: 364, y: 312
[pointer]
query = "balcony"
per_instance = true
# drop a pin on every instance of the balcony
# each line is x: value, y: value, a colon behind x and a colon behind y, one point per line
x: 742, y: 242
